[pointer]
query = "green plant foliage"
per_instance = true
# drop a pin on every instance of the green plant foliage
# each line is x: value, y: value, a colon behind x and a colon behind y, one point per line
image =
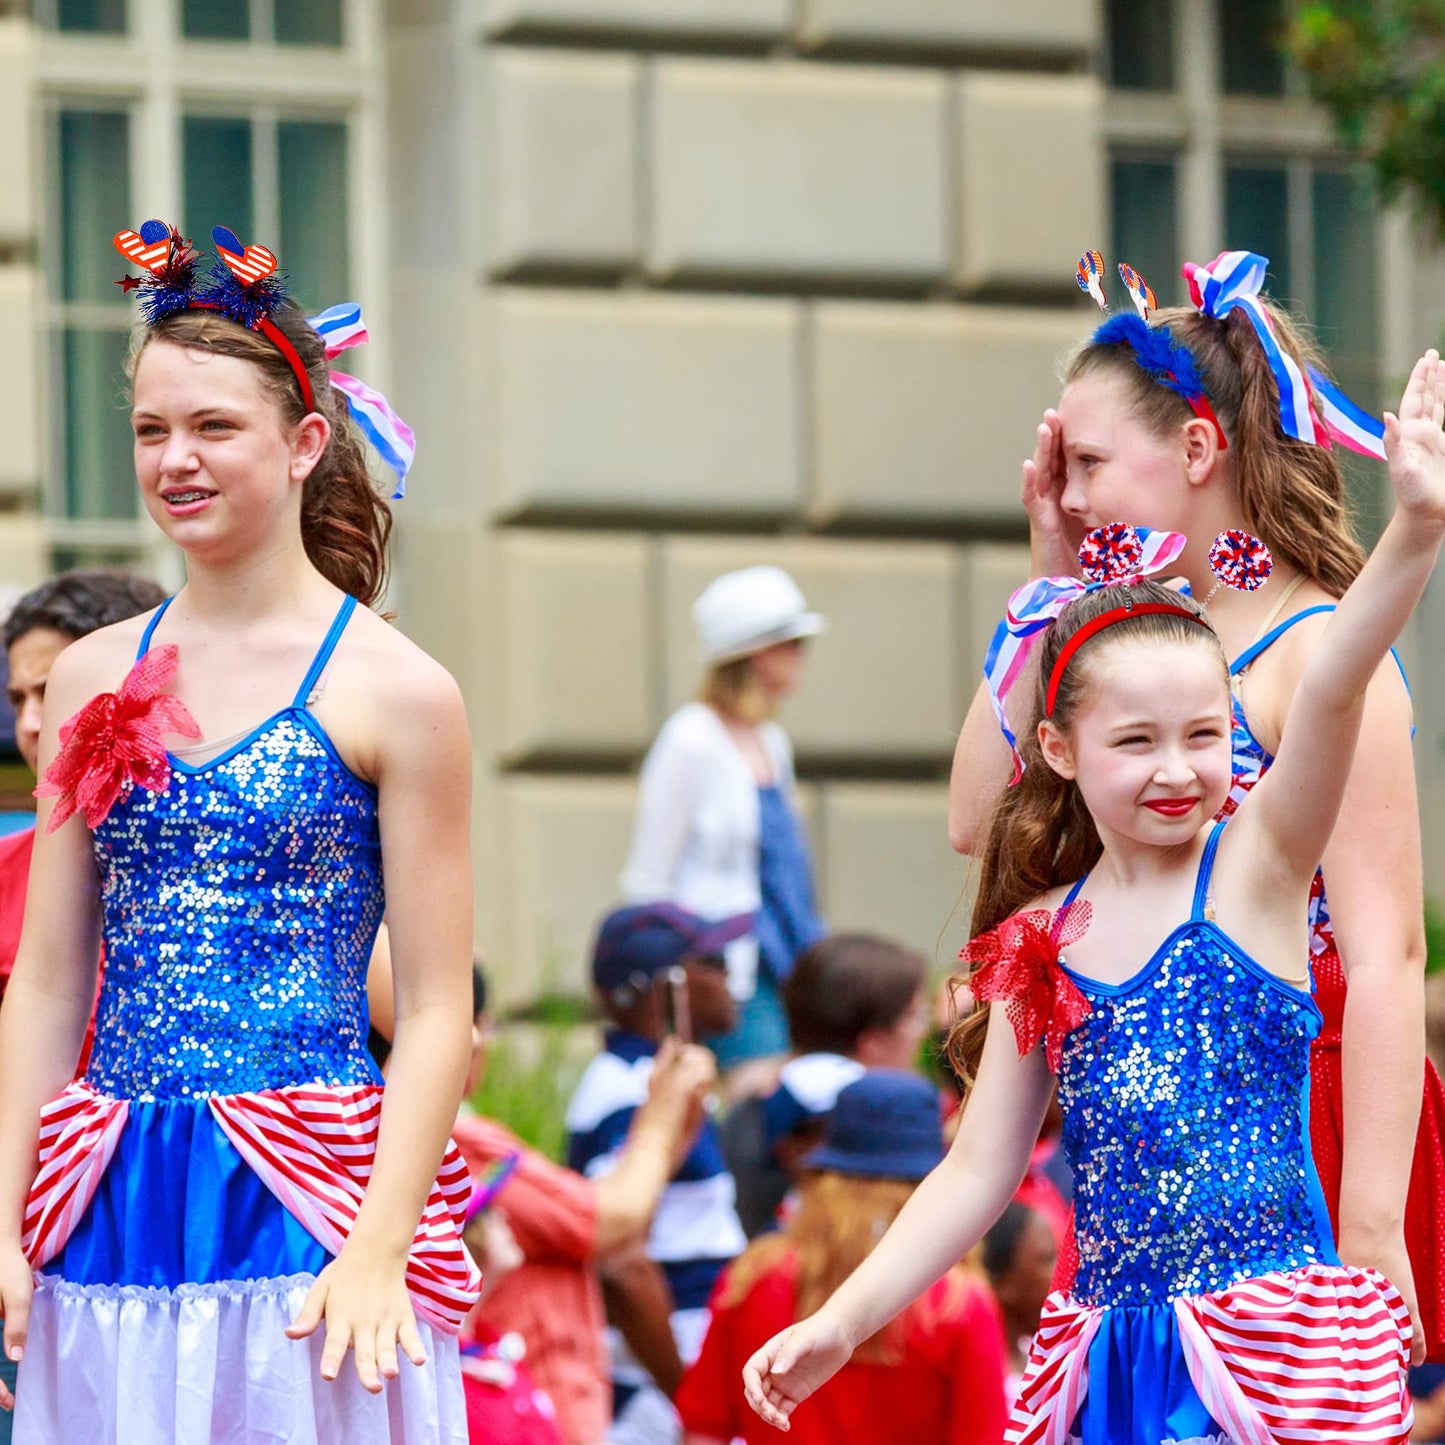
x: 1378, y: 67
x: 1434, y: 938
x: 531, y: 1072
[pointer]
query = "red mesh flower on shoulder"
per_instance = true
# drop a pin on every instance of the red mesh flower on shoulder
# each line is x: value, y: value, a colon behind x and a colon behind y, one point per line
x: 1018, y: 963
x: 118, y: 738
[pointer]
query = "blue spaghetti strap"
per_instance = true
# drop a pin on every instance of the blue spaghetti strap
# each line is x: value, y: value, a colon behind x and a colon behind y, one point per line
x: 1273, y: 635
x: 1251, y: 652
x: 1206, y: 868
x: 145, y: 637
x: 1063, y: 911
x: 323, y: 656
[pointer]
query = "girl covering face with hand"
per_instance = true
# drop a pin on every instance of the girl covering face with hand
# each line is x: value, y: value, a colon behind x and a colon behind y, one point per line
x: 1146, y: 956
x: 226, y: 1205
x: 1124, y: 444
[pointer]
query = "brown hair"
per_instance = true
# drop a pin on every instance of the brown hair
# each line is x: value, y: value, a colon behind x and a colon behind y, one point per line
x: 1041, y: 834
x: 840, y: 1218
x: 1292, y: 493
x: 345, y: 524
x: 732, y: 689
x: 847, y: 984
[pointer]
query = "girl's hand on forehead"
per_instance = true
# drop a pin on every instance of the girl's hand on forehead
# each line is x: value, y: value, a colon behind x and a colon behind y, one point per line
x: 1054, y: 536
x: 1415, y: 443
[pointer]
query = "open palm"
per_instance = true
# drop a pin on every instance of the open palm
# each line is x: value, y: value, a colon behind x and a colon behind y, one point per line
x: 1415, y: 443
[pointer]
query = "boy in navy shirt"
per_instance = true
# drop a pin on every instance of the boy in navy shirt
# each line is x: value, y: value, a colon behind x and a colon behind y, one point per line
x: 656, y: 969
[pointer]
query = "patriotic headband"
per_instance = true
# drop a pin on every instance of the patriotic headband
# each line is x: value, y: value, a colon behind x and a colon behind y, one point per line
x: 1311, y: 411
x: 1111, y: 556
x: 245, y: 288
x: 1168, y: 361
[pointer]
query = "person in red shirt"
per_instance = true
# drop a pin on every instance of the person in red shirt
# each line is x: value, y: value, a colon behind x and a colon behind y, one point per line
x: 41, y: 625
x: 936, y: 1373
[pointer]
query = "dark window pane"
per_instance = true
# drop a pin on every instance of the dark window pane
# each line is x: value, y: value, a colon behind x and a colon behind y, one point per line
x: 1256, y: 218
x: 313, y: 243
x: 105, y: 17
x: 308, y: 22
x: 1345, y: 309
x: 1250, y: 35
x: 216, y: 19
x: 217, y: 180
x: 94, y: 202
x: 1141, y: 45
x: 99, y: 471
x: 1145, y: 231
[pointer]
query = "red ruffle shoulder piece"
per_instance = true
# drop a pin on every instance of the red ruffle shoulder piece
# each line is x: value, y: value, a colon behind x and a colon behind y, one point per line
x: 118, y: 738
x: 1018, y: 963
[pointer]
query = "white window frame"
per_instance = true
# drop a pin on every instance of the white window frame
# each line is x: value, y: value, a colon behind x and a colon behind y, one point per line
x: 158, y: 78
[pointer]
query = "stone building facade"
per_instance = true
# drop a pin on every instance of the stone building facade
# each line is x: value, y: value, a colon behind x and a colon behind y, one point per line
x: 668, y: 287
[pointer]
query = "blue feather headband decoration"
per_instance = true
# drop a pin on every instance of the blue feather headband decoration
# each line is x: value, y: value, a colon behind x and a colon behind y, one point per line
x: 1168, y: 361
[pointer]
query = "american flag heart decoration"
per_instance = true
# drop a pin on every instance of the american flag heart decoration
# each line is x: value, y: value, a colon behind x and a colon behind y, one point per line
x: 248, y: 264
x: 1090, y: 276
x: 1139, y: 290
x: 149, y: 248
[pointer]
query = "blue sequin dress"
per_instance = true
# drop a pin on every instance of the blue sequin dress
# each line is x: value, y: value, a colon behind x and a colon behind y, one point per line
x: 1209, y: 1304
x: 208, y: 1166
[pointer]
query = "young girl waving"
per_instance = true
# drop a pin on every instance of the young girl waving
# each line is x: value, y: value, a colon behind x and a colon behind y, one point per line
x: 1249, y: 449
x: 224, y: 1205
x: 1209, y: 1303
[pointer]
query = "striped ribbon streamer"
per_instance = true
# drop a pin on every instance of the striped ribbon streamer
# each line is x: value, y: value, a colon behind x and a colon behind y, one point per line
x: 340, y: 328
x: 1233, y: 280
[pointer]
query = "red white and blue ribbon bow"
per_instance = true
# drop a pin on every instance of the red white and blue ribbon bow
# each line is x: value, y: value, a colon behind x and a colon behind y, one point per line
x: 340, y: 328
x: 1112, y: 556
x: 1312, y: 411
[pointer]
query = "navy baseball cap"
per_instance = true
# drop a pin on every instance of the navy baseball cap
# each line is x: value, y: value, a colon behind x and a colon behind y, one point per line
x: 635, y: 944
x: 885, y: 1125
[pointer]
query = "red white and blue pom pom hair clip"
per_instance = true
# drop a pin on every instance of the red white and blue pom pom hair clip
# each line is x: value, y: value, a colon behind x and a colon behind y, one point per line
x: 1112, y: 556
x: 244, y: 286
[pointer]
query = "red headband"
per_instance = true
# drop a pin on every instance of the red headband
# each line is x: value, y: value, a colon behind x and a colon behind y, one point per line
x: 278, y: 339
x: 1097, y: 625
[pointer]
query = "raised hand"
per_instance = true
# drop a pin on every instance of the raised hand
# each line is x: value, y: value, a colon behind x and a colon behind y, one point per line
x: 794, y: 1363
x: 1054, y: 536
x: 1415, y: 443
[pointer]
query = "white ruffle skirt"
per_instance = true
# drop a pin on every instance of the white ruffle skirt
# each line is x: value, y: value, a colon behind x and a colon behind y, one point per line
x: 211, y: 1365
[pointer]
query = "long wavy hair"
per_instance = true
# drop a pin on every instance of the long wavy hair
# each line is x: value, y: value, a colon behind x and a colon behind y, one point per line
x: 1041, y: 834
x: 345, y: 523
x: 1292, y: 493
x: 840, y: 1217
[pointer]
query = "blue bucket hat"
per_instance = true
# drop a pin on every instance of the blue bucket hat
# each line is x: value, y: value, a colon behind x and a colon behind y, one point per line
x: 886, y: 1125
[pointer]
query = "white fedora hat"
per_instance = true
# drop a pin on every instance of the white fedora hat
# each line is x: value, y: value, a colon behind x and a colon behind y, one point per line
x: 745, y: 611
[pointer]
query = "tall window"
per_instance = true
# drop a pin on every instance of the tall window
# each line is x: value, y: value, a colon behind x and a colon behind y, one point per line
x: 92, y: 318
x: 284, y: 179
x: 176, y: 137
x: 1210, y: 148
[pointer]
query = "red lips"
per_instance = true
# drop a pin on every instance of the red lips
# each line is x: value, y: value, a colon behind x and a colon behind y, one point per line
x: 1173, y: 807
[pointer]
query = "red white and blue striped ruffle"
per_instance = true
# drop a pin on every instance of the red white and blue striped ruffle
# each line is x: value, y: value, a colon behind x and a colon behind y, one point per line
x: 312, y: 1146
x: 1317, y: 1356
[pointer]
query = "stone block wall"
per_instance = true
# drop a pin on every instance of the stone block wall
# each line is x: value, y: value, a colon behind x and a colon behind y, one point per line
x: 738, y: 281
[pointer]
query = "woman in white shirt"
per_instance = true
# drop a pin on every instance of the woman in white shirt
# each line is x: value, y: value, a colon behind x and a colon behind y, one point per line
x: 718, y: 831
